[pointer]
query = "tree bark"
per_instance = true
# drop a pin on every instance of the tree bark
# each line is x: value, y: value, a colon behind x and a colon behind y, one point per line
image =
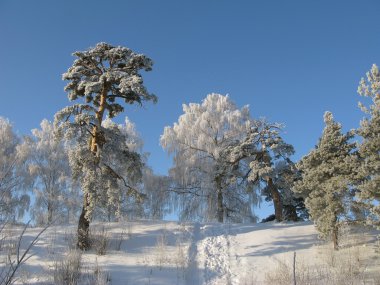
x: 220, y: 207
x: 335, y: 237
x: 290, y: 213
x: 83, y: 228
x: 97, y: 138
x: 50, y: 213
x: 276, y: 197
x: 109, y: 213
x: 277, y: 203
x: 220, y: 210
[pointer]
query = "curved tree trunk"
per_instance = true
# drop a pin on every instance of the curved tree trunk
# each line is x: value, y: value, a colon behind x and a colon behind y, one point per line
x: 277, y: 203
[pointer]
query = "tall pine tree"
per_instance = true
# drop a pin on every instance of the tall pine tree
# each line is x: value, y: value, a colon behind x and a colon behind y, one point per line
x: 99, y: 155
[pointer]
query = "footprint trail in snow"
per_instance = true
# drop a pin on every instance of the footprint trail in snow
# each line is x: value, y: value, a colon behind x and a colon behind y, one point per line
x: 193, y: 275
x: 214, y: 252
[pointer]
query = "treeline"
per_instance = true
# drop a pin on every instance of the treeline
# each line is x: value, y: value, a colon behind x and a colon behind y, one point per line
x: 225, y: 162
x: 36, y: 181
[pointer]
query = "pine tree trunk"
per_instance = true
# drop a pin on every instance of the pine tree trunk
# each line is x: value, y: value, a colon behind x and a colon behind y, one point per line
x: 109, y: 213
x: 68, y: 216
x: 220, y: 210
x: 290, y: 213
x: 335, y: 237
x: 83, y: 229
x: 276, y: 200
x: 50, y: 213
x: 220, y: 207
x: 96, y: 142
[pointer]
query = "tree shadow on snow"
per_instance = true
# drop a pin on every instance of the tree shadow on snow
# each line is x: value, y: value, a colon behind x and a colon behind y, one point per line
x: 284, y: 244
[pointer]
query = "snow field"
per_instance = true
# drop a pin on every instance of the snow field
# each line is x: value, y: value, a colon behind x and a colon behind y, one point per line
x: 149, y: 252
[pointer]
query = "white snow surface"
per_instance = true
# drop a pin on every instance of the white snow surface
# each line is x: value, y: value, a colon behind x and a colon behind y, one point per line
x: 159, y: 252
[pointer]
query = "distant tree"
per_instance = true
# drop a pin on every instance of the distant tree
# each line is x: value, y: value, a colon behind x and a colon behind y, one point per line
x: 14, y: 178
x: 369, y: 159
x: 98, y: 153
x: 49, y: 166
x: 326, y: 175
x: 156, y: 188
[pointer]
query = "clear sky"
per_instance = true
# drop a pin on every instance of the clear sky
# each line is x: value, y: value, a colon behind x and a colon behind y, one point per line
x: 289, y: 60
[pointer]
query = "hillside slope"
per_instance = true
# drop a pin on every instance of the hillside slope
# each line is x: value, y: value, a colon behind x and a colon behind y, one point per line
x: 146, y: 252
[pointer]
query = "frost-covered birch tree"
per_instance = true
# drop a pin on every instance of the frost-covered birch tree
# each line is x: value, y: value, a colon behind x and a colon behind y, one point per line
x: 369, y: 148
x: 49, y: 167
x: 100, y: 159
x: 198, y: 141
x: 14, y: 178
x: 326, y: 175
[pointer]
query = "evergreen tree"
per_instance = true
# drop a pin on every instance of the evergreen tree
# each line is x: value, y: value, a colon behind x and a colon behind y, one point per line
x: 271, y: 166
x: 369, y: 149
x: 283, y: 176
x: 326, y: 173
x: 99, y: 155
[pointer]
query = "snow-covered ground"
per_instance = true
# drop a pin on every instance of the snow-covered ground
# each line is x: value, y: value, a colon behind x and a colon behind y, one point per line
x: 147, y: 252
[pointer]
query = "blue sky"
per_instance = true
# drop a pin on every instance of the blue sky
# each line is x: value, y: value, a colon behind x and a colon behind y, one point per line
x: 289, y: 60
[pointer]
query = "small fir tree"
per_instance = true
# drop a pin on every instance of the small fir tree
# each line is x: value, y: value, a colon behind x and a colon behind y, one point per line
x: 326, y: 172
